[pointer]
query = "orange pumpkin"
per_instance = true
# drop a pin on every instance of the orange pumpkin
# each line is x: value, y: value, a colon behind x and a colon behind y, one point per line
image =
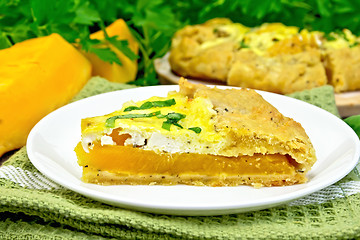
x: 114, y: 72
x: 36, y: 77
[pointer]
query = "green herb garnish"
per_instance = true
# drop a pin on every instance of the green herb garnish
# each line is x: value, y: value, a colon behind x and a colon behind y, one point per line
x: 195, y: 129
x: 148, y: 105
x: 166, y: 125
x: 243, y: 44
x: 354, y: 44
x: 329, y: 37
x: 332, y: 36
x: 342, y: 34
x: 110, y: 122
x: 171, y: 118
x: 175, y: 117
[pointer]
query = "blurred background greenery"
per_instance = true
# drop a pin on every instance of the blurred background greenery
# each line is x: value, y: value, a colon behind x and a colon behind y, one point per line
x: 153, y: 22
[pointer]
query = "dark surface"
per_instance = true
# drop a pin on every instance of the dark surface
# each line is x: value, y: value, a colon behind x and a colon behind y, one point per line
x: 6, y: 156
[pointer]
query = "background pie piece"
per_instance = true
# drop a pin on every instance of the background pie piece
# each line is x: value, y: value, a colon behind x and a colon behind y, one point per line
x: 272, y: 57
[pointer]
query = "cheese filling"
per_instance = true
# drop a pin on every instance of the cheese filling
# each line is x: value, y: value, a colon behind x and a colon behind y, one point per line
x: 193, y: 132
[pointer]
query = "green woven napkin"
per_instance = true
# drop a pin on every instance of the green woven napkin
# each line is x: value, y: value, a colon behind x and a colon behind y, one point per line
x: 322, y: 97
x: 33, y: 207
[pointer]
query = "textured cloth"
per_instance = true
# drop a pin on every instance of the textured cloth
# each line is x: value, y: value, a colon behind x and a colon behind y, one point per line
x: 34, y: 207
x: 322, y: 97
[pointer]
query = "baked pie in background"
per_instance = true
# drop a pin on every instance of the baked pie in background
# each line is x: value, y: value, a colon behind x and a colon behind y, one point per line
x: 272, y: 57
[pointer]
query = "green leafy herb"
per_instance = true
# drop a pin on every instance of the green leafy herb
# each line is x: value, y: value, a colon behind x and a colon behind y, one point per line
x: 329, y: 37
x: 155, y: 22
x: 195, y: 129
x: 341, y: 34
x: 354, y: 123
x: 354, y: 44
x: 110, y: 122
x: 72, y: 19
x: 243, y: 44
x: 171, y: 118
x: 122, y: 45
x: 166, y: 125
x: 148, y: 105
x: 337, y: 33
x: 105, y: 54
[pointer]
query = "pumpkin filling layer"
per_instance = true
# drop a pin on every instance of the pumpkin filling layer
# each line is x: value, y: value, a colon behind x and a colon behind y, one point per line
x: 122, y: 161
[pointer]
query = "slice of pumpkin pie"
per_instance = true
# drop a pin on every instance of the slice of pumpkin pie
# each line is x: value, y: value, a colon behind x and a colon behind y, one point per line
x: 196, y: 136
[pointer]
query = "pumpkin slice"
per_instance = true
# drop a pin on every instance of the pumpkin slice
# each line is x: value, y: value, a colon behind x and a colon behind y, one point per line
x: 36, y: 77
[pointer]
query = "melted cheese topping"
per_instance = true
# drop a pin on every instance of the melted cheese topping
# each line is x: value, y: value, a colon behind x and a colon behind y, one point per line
x: 148, y: 133
x: 261, y: 39
x: 234, y: 32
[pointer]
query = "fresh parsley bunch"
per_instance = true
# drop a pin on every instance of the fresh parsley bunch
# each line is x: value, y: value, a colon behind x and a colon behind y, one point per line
x: 72, y: 19
x: 153, y: 22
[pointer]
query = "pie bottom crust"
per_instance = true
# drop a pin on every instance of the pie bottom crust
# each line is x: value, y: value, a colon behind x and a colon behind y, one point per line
x: 222, y: 180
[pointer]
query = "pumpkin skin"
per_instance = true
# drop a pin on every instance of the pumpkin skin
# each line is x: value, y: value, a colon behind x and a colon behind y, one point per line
x: 36, y: 77
x: 114, y: 72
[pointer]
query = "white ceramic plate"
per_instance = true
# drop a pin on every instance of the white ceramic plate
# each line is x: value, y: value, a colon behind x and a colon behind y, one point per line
x: 51, y: 142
